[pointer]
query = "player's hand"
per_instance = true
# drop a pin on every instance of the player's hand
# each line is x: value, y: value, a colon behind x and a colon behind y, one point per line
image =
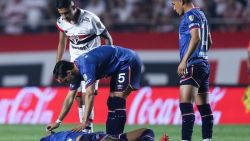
x: 182, y: 68
x: 80, y: 127
x: 52, y: 126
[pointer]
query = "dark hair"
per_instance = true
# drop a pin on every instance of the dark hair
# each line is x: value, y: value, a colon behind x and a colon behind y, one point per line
x: 61, y: 68
x: 63, y: 3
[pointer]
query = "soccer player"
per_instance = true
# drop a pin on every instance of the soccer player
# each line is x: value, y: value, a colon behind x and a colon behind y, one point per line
x: 193, y: 70
x: 83, y: 29
x: 142, y: 134
x: 124, y: 67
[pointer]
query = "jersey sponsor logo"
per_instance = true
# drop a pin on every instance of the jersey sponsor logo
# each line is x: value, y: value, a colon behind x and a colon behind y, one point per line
x: 84, y: 19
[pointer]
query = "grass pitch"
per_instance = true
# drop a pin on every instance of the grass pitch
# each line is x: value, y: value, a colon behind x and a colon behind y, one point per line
x: 35, y: 132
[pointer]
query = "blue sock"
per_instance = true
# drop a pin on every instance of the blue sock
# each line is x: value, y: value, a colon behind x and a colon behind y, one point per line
x: 147, y: 135
x: 188, y: 118
x: 207, y: 121
x: 120, y: 114
x: 110, y: 123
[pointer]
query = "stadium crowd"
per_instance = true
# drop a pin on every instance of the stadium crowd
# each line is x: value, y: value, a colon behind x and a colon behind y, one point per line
x: 19, y: 16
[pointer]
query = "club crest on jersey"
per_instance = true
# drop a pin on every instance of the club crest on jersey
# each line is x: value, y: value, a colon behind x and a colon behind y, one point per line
x: 84, y: 77
x: 74, y: 39
x: 191, y: 18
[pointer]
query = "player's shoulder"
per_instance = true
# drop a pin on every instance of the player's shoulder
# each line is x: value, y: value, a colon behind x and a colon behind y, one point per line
x: 59, y: 21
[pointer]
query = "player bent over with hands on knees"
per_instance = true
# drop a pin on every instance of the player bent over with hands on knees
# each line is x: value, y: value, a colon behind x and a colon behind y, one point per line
x: 194, y: 70
x: 124, y: 67
x: 83, y: 29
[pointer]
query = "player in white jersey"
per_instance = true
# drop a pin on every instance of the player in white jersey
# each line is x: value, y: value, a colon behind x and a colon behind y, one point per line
x: 83, y: 29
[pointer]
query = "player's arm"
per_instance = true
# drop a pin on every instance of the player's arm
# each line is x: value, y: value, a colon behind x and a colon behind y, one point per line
x: 65, y: 109
x: 194, y: 41
x: 89, y: 102
x: 108, y: 39
x: 67, y: 104
x: 210, y: 41
x: 61, y: 46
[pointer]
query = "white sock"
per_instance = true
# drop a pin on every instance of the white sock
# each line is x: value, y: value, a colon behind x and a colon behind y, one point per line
x: 80, y: 112
x: 90, y: 117
x: 207, y: 139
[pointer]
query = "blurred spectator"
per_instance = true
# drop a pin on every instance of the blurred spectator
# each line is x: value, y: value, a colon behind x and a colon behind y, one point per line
x: 123, y: 15
x: 14, y: 15
x: 96, y: 6
x: 36, y: 14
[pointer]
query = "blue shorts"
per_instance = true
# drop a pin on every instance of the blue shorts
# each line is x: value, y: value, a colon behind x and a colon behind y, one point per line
x: 129, y: 75
x: 198, y: 76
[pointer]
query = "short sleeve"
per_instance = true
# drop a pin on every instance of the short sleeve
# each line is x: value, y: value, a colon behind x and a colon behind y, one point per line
x: 89, y: 76
x: 59, y: 24
x: 193, y: 21
x: 97, y: 24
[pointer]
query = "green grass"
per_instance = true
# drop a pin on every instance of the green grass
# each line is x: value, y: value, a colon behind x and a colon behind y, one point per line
x: 35, y: 132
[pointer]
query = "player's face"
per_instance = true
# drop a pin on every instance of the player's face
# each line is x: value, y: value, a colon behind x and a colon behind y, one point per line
x: 66, y: 13
x: 177, y: 6
x: 70, y: 78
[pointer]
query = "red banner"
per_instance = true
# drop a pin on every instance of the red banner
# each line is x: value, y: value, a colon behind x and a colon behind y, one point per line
x: 157, y: 105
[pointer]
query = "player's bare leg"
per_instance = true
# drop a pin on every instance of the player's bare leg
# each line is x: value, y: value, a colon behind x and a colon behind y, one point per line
x: 202, y: 102
x: 187, y: 93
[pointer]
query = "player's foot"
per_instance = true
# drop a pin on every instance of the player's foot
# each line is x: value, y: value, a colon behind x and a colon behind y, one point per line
x: 164, y: 137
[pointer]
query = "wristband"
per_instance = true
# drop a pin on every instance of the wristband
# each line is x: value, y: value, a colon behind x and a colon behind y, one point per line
x: 58, y: 121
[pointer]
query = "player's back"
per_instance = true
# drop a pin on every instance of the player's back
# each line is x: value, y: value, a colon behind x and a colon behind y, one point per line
x: 63, y: 136
x: 72, y: 136
x: 105, y: 60
x: 194, y: 18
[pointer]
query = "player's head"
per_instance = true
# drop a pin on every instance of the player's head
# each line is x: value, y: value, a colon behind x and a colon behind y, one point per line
x: 63, y: 72
x: 65, y: 9
x: 178, y: 6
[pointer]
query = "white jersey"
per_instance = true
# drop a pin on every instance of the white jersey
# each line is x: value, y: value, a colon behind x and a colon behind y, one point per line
x: 84, y: 35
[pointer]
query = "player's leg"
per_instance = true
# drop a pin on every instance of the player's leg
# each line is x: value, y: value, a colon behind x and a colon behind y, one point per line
x: 187, y: 111
x: 206, y: 115
x: 202, y: 102
x: 121, y: 85
x: 188, y: 89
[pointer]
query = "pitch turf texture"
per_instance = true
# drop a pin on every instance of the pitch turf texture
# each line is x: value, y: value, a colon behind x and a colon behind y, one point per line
x: 35, y: 132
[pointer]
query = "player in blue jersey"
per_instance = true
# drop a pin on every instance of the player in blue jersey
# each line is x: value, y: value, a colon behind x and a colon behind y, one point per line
x: 124, y: 67
x: 142, y: 134
x: 193, y: 70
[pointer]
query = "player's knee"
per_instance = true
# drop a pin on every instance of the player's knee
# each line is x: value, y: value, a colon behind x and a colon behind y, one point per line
x: 186, y: 108
x: 206, y: 112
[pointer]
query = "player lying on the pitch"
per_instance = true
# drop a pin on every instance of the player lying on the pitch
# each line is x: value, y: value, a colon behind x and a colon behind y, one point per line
x: 141, y: 134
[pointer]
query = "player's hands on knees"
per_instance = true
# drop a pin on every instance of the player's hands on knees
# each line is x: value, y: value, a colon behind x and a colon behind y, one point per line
x: 52, y: 126
x: 80, y: 127
x: 182, y: 69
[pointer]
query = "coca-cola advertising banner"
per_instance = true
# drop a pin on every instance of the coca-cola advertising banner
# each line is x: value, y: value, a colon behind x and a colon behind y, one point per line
x: 149, y: 105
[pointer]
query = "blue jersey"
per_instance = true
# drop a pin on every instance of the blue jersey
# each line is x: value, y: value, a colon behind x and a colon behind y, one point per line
x: 71, y: 136
x: 194, y: 18
x: 103, y: 62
